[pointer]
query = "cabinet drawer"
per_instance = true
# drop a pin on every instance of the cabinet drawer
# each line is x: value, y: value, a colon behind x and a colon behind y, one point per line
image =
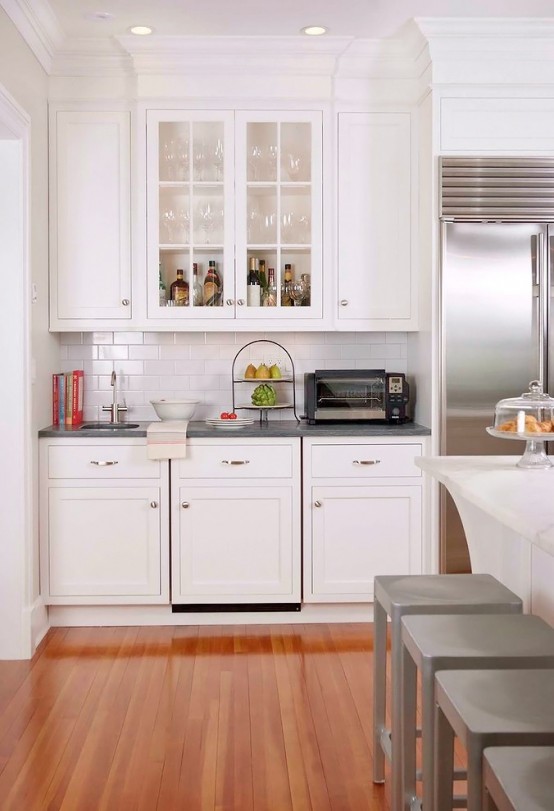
x: 237, y: 462
x: 96, y: 461
x: 363, y: 461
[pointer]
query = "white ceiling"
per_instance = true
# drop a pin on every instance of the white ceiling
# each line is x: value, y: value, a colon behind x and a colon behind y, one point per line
x: 350, y: 18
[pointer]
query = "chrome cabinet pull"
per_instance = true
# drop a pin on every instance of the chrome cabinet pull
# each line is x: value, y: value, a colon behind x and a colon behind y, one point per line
x: 344, y: 302
x: 317, y: 503
x: 240, y: 302
x: 185, y: 505
x: 235, y: 462
x: 103, y: 464
x: 125, y: 302
x: 366, y: 462
x: 229, y: 301
x: 153, y: 504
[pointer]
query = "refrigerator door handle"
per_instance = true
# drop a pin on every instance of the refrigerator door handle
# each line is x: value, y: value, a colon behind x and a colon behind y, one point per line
x: 544, y: 307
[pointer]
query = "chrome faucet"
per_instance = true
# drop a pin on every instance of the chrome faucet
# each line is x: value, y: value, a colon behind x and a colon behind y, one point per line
x: 115, y: 408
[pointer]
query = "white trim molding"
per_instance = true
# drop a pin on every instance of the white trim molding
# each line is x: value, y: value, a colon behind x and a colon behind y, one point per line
x: 39, y: 27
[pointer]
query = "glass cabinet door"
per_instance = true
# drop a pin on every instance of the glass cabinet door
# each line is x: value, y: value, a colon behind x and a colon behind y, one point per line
x: 278, y: 214
x: 190, y: 214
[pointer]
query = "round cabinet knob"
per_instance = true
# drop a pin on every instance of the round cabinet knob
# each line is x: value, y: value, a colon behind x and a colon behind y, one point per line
x: 240, y: 302
x: 153, y: 504
x: 185, y: 505
x: 344, y: 302
x: 229, y: 302
x: 125, y: 302
x: 317, y: 503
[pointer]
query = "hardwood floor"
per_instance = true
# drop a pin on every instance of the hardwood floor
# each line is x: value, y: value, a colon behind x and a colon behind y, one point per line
x: 212, y: 718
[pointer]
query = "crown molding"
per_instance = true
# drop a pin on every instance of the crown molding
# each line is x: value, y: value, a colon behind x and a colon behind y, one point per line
x: 95, y: 57
x: 39, y: 27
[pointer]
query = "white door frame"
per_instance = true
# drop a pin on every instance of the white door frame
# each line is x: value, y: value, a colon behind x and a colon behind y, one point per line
x: 16, y: 525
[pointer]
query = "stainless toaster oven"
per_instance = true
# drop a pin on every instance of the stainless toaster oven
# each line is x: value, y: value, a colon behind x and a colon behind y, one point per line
x: 363, y: 395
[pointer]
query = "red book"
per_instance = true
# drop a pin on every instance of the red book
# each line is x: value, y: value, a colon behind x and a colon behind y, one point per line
x: 55, y: 401
x: 69, y: 398
x: 78, y: 390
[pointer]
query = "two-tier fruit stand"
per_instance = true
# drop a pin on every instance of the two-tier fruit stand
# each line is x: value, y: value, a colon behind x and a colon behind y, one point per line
x: 264, y: 410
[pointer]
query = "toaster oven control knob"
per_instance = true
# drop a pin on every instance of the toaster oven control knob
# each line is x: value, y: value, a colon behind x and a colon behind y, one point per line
x: 317, y: 503
x: 344, y: 302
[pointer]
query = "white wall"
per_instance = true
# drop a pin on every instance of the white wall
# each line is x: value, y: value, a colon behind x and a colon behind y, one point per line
x: 25, y: 81
x: 198, y: 364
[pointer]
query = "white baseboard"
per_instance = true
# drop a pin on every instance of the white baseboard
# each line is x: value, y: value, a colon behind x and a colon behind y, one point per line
x: 91, y: 615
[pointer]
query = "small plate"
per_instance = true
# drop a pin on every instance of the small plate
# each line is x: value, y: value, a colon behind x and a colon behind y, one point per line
x: 230, y: 424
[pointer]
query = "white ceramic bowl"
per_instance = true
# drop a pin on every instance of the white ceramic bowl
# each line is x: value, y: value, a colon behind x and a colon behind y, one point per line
x: 174, y: 409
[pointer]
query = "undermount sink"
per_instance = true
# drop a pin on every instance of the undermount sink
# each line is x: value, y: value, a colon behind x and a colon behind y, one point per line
x: 108, y: 426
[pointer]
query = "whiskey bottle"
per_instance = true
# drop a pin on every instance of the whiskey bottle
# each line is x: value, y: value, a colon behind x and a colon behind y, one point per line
x: 197, y: 291
x: 253, y: 289
x: 179, y: 290
x: 162, y: 288
x: 213, y: 289
x: 286, y: 300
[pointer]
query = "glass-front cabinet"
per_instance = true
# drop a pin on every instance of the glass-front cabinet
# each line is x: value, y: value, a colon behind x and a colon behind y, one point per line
x: 234, y: 215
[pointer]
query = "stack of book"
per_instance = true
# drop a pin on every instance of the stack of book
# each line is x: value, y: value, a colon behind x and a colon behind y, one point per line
x: 67, y: 398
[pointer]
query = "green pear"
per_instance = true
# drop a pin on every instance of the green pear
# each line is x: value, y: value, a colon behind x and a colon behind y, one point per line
x: 262, y: 372
x: 275, y: 372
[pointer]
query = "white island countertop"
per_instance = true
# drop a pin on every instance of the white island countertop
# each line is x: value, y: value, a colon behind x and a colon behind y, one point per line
x: 521, y: 500
x: 508, y: 517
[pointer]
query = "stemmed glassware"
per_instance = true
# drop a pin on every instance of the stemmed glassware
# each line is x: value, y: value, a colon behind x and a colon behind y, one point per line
x: 169, y: 158
x: 183, y: 223
x: 182, y: 158
x: 218, y: 159
x: 254, y: 161
x: 199, y: 160
x: 167, y: 221
x: 272, y: 161
x: 207, y: 216
x: 293, y: 165
x: 297, y: 292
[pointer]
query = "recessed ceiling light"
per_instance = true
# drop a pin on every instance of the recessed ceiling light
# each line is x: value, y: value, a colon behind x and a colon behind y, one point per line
x: 313, y: 30
x: 141, y: 30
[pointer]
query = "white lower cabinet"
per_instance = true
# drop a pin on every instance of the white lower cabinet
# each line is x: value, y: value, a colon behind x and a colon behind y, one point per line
x: 104, y: 526
x: 362, y: 516
x: 235, y: 522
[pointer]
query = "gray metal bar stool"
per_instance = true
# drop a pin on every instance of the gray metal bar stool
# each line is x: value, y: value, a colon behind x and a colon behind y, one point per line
x: 487, y: 708
x: 397, y: 596
x: 518, y: 778
x: 432, y: 643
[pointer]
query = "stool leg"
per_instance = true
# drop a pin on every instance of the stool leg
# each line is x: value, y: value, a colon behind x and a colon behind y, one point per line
x: 379, y: 688
x: 396, y: 716
x: 474, y: 774
x: 443, y: 788
x: 408, y: 714
x: 488, y: 802
x: 428, y: 734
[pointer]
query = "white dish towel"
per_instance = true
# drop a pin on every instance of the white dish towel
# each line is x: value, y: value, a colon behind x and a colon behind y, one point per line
x: 167, y: 439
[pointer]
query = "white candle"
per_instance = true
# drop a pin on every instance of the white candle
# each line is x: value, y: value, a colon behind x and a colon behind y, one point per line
x: 521, y: 422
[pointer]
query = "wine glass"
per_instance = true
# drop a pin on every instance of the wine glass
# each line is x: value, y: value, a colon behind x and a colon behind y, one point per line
x: 253, y: 224
x: 206, y: 212
x: 168, y: 157
x: 304, y: 232
x: 254, y: 161
x: 199, y: 160
x: 182, y: 158
x: 183, y: 223
x: 167, y: 222
x: 272, y: 161
x: 218, y: 159
x: 293, y: 166
x: 287, y: 226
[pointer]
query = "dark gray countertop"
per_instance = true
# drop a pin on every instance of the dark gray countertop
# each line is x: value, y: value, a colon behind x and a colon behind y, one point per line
x: 278, y: 428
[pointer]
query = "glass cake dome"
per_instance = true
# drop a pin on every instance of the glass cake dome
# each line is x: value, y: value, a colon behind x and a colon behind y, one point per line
x: 529, y: 417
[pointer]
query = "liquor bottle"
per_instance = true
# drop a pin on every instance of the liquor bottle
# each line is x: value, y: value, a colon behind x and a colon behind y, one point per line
x: 179, y: 290
x: 197, y: 291
x: 270, y: 297
x: 286, y: 300
x: 262, y: 277
x: 213, y: 289
x: 162, y: 288
x: 253, y: 289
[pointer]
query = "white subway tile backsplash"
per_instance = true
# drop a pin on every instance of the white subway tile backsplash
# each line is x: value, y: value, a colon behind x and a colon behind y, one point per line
x: 197, y: 365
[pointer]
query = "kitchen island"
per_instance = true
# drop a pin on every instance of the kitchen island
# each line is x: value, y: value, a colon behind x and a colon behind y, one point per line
x: 508, y: 517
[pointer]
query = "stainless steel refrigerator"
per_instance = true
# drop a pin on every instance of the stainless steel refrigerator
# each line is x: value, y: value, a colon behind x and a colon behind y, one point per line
x: 497, y: 273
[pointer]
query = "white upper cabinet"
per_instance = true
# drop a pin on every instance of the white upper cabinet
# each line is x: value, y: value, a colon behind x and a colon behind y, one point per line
x: 376, y: 274
x: 226, y: 192
x: 90, y: 205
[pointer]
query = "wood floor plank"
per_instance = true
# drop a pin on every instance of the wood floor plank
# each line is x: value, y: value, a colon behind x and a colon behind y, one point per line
x: 212, y: 718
